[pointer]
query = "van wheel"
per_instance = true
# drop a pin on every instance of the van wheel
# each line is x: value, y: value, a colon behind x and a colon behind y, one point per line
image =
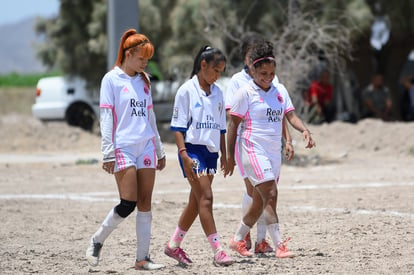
x: 81, y: 115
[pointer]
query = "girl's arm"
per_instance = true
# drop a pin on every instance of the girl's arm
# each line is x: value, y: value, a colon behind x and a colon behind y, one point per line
x: 297, y: 123
x: 159, y: 149
x: 288, y: 140
x: 107, y: 145
x: 231, y: 142
x: 223, y: 157
x: 188, y: 163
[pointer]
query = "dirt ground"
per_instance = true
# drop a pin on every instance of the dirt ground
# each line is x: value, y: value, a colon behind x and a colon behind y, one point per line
x: 347, y: 204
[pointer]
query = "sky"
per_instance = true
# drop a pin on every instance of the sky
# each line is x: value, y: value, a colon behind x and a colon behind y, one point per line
x: 12, y: 11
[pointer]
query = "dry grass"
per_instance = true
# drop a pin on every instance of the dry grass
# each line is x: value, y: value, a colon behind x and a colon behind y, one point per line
x: 17, y: 100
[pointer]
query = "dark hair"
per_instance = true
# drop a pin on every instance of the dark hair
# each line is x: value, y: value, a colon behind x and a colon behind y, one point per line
x: 208, y: 54
x: 248, y: 41
x: 262, y: 53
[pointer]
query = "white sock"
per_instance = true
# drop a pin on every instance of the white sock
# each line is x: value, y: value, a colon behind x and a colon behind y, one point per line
x: 143, y: 230
x: 108, y: 225
x: 261, y: 228
x: 274, y: 233
x: 241, y: 232
x: 246, y: 202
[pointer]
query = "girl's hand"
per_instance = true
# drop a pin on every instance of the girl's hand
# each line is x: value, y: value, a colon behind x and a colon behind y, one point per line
x: 189, y: 166
x: 223, y: 165
x: 161, y: 163
x: 309, y: 141
x: 289, y: 152
x: 230, y: 165
x: 109, y: 166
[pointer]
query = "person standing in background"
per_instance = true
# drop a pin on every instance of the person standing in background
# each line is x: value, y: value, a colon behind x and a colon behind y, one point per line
x: 319, y: 97
x: 376, y: 99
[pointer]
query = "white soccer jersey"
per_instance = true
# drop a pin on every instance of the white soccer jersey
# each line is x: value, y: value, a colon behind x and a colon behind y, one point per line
x: 262, y: 112
x: 238, y: 80
x: 202, y: 118
x: 129, y: 99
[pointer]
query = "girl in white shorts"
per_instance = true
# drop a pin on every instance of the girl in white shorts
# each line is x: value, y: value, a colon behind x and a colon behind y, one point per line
x: 238, y: 80
x: 262, y: 106
x: 131, y: 145
x: 141, y: 155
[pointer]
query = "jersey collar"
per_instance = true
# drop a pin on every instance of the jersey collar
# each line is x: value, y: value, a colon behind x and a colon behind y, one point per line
x: 122, y: 74
x: 258, y: 89
x: 201, y: 92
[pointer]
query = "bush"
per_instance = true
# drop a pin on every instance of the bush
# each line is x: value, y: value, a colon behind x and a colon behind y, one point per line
x: 23, y: 80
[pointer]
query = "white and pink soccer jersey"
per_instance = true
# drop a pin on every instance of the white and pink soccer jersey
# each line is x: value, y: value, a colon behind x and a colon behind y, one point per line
x: 129, y: 99
x: 261, y: 111
x: 260, y: 140
x: 238, y: 80
x: 200, y: 116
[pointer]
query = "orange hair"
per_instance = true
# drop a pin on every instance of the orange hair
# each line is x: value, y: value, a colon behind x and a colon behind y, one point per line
x: 133, y: 41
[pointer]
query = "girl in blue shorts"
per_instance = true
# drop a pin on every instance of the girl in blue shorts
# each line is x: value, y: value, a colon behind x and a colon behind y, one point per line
x: 199, y: 125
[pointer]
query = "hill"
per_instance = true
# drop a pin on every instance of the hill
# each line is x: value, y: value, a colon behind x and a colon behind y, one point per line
x: 17, y: 47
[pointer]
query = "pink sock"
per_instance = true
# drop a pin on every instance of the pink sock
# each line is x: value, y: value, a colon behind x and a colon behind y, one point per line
x: 177, y: 237
x: 214, y: 241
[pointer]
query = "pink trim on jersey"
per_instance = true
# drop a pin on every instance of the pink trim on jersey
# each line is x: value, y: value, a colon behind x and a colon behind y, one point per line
x: 120, y: 160
x: 109, y: 106
x: 227, y: 107
x: 150, y: 106
x: 248, y: 125
x: 253, y: 160
x: 252, y: 155
x: 236, y: 114
x: 238, y: 161
x: 288, y: 110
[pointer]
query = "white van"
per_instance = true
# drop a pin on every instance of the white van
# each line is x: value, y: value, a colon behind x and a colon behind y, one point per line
x: 63, y: 98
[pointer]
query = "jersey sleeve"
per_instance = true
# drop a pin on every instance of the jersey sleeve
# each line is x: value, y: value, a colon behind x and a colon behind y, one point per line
x: 106, y: 98
x: 223, y: 121
x: 149, y: 91
x: 239, y: 103
x: 287, y: 101
x: 106, y: 125
x: 181, y: 113
x: 231, y: 90
x: 159, y: 149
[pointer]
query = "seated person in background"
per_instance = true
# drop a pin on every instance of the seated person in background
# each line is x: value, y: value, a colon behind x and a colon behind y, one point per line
x: 319, y: 97
x: 408, y: 83
x: 376, y: 99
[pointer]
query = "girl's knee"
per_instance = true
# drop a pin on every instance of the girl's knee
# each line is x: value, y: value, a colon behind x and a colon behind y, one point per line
x: 144, y: 203
x: 206, y: 201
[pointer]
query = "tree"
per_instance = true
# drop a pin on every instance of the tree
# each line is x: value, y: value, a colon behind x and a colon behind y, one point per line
x: 302, y: 32
x: 76, y: 40
x: 305, y: 36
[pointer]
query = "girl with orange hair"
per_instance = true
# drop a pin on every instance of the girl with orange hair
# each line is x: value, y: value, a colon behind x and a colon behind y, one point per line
x: 131, y: 145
